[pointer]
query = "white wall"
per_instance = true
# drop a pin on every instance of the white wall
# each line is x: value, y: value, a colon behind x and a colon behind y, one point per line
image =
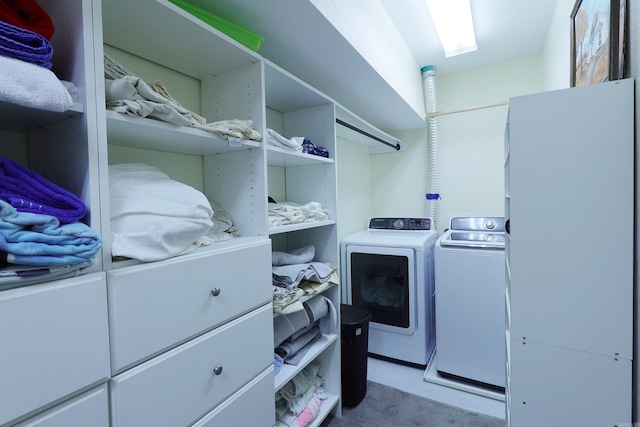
x: 557, y: 49
x: 470, y: 148
x: 354, y: 169
x: 470, y: 152
x: 471, y: 144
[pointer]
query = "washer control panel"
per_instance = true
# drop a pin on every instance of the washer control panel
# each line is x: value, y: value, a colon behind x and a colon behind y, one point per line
x: 411, y: 224
x: 477, y: 223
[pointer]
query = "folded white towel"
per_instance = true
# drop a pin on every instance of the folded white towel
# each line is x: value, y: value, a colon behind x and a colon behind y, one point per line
x: 277, y: 140
x: 33, y: 86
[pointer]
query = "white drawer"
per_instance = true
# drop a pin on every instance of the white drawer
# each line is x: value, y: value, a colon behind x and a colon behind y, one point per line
x: 88, y: 409
x: 252, y: 406
x: 180, y: 386
x: 156, y: 306
x: 53, y: 342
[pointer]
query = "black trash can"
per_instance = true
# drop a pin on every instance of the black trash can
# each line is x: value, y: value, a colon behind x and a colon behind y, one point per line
x: 355, y: 347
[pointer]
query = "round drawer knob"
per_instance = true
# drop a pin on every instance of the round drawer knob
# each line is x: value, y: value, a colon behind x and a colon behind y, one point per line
x: 215, y: 292
x: 217, y: 370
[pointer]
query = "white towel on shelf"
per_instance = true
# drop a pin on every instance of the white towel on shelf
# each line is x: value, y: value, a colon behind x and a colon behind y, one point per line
x: 33, y: 86
x: 277, y: 140
x: 154, y: 217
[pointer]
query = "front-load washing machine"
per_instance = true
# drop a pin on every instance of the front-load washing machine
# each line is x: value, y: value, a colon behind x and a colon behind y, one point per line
x: 388, y: 269
x: 470, y: 300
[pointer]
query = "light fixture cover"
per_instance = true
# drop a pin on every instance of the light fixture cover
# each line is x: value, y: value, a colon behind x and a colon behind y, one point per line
x: 454, y: 25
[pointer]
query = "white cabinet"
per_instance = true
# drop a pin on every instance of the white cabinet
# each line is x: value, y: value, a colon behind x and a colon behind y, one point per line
x: 295, y: 109
x: 153, y: 335
x: 53, y: 335
x: 570, y: 203
x: 87, y: 409
x: 185, y: 383
x: 54, y: 343
x: 233, y: 411
x: 155, y: 306
x: 192, y: 335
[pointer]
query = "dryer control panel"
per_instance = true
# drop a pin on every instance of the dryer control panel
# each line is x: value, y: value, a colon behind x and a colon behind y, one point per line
x: 411, y: 224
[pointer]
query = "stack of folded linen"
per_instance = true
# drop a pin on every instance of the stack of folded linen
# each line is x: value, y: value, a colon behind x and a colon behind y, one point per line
x: 277, y: 140
x: 128, y: 94
x: 296, y: 143
x: 26, y: 58
x: 298, y: 402
x: 41, y: 236
x: 285, y: 213
x: 301, y: 322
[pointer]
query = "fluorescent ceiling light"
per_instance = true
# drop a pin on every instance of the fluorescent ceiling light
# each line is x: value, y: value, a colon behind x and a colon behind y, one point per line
x: 454, y: 25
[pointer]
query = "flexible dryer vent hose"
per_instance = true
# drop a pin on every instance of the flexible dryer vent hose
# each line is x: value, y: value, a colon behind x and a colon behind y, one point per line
x: 429, y: 93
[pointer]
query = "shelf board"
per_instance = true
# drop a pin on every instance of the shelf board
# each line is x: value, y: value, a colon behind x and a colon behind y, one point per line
x: 140, y: 132
x: 285, y: 92
x: 283, y: 157
x: 301, y: 226
x: 16, y: 118
x: 189, y: 46
x: 287, y: 372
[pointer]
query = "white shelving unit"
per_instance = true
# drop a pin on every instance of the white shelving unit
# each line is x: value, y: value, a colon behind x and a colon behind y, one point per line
x: 164, y: 343
x: 569, y: 269
x: 54, y: 351
x: 296, y: 109
x: 187, y: 343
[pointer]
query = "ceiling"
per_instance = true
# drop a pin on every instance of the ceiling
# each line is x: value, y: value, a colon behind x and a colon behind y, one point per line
x: 367, y: 54
x: 505, y: 30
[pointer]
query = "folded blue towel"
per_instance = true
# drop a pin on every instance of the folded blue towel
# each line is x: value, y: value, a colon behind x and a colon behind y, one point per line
x: 34, y: 239
x: 19, y: 43
x: 309, y: 147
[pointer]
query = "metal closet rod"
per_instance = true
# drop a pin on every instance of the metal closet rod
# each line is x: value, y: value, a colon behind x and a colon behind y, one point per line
x: 365, y: 133
x: 462, y: 110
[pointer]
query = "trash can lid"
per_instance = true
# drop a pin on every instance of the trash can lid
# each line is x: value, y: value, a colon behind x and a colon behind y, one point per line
x: 351, y: 315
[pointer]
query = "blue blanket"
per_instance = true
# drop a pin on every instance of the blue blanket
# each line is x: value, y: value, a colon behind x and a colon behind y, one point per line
x: 34, y: 239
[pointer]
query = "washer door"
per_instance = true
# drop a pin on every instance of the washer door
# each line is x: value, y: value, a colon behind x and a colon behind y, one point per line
x: 383, y: 280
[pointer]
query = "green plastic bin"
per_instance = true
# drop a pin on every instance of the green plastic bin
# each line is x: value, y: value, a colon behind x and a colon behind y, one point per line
x: 248, y: 38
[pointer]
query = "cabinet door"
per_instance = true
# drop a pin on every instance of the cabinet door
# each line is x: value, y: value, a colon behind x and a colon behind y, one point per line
x: 571, y: 215
x: 181, y: 385
x: 553, y: 386
x: 233, y: 411
x: 54, y: 342
x: 156, y: 306
x: 88, y: 409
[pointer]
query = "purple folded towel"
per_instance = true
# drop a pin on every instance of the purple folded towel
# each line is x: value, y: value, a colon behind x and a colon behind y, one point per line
x: 18, y: 43
x: 27, y: 191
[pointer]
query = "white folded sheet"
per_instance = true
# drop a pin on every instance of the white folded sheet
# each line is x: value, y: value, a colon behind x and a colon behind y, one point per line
x: 152, y: 216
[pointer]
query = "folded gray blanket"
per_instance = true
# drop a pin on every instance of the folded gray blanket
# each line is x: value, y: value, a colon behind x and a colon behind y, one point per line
x: 319, y: 308
x: 290, y: 276
x: 18, y: 43
x: 291, y: 350
x: 296, y: 256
